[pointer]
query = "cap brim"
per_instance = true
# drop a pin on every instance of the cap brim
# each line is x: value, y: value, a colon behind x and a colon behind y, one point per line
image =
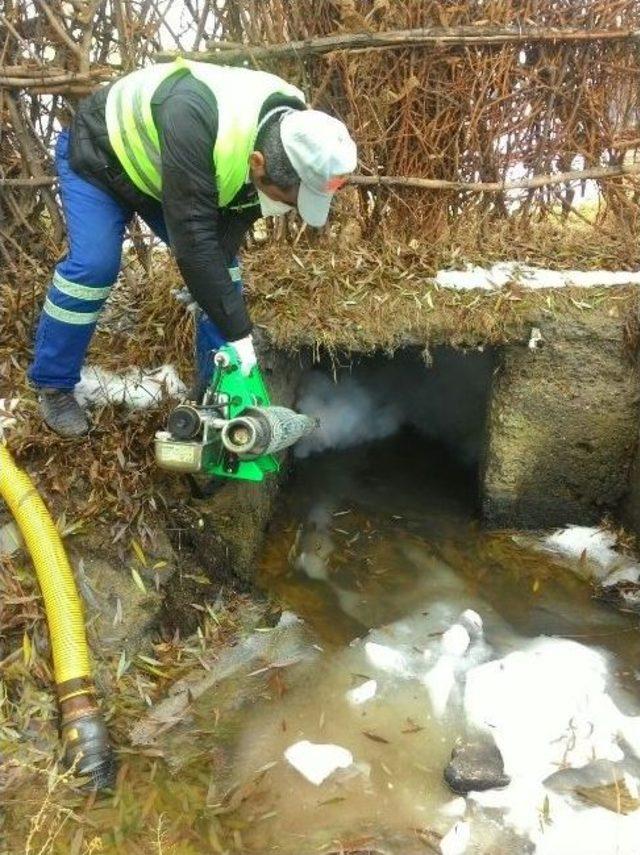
x: 313, y: 207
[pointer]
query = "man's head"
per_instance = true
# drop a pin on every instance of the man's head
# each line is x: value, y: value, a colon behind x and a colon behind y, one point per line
x: 299, y: 160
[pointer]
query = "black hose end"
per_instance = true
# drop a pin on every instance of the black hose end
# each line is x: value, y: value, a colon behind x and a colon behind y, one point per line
x: 102, y: 776
x: 88, y: 752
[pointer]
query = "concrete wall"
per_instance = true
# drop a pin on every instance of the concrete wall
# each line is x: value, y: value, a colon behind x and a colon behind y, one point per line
x: 563, y: 424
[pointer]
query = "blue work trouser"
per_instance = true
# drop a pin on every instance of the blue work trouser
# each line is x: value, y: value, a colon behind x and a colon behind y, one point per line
x: 82, y: 281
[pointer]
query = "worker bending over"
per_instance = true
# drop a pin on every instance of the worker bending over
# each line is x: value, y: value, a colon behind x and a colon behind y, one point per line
x: 199, y: 151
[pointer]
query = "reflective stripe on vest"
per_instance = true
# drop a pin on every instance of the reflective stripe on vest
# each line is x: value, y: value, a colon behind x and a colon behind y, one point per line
x: 239, y: 94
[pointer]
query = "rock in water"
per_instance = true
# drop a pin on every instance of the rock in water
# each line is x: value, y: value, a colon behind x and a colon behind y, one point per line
x: 475, y: 766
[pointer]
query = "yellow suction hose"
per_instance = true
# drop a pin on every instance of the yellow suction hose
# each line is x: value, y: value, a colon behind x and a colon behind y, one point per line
x: 83, y: 731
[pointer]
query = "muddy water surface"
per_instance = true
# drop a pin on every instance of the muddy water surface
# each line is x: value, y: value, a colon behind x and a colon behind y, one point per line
x: 382, y: 543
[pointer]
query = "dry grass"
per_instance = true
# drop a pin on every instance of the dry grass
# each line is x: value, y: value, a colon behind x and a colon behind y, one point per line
x: 111, y: 474
x: 44, y: 812
x: 345, y: 293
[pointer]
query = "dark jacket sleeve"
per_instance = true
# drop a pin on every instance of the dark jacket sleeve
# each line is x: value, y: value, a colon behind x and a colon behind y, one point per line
x: 233, y: 227
x: 187, y: 126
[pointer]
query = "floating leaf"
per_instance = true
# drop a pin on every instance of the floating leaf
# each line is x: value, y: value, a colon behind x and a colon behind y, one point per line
x: 614, y: 797
x: 137, y: 578
x: 412, y: 727
x: 332, y: 801
x: 375, y: 738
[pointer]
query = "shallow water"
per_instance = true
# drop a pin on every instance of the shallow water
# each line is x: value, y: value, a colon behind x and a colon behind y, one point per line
x: 383, y: 542
x: 378, y: 550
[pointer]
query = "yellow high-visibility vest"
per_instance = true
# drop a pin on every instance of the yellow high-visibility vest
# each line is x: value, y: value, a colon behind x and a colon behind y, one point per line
x: 239, y: 94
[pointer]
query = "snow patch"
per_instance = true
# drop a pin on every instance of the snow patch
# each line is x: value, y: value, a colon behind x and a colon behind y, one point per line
x: 440, y: 680
x: 472, y: 622
x: 386, y: 658
x: 547, y: 707
x: 363, y: 693
x: 455, y: 640
x: 456, y: 840
x: 456, y: 807
x: 135, y: 388
x: 513, y: 273
x: 8, y: 411
x: 595, y: 549
x: 317, y: 762
x: 592, y: 831
x: 594, y: 543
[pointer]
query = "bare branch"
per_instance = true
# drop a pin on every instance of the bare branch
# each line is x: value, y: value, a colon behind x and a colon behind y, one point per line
x: 41, y: 181
x: 535, y: 181
x: 398, y: 39
x: 59, y: 29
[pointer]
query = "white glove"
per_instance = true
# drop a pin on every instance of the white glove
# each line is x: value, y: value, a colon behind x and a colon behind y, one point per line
x: 246, y: 354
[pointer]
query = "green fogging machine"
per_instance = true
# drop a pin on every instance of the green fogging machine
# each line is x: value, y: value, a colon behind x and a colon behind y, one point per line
x: 234, y: 432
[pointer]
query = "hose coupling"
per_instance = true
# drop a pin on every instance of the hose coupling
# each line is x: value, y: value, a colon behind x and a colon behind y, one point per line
x: 85, y: 741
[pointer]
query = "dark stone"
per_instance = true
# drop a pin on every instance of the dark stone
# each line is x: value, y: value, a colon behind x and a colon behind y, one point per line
x: 622, y: 595
x: 475, y: 766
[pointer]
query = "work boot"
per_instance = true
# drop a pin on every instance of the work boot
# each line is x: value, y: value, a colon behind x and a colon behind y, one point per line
x: 63, y: 413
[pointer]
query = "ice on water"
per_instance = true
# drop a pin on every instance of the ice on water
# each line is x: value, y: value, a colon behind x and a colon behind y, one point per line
x: 394, y: 701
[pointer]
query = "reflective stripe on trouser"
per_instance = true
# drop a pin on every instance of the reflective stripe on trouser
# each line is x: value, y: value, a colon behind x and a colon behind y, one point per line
x: 73, y: 302
x: 208, y: 336
x: 67, y: 322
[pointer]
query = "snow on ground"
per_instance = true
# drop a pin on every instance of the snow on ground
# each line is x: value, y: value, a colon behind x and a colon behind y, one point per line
x: 547, y: 707
x: 593, y: 554
x: 136, y: 388
x: 456, y: 840
x: 597, y: 545
x: 511, y: 272
x: 8, y: 413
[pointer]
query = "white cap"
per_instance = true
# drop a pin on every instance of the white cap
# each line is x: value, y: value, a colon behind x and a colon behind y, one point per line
x: 321, y: 151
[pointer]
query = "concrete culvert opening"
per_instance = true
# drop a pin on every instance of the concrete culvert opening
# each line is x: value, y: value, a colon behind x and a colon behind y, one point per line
x: 431, y: 412
x: 399, y: 453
